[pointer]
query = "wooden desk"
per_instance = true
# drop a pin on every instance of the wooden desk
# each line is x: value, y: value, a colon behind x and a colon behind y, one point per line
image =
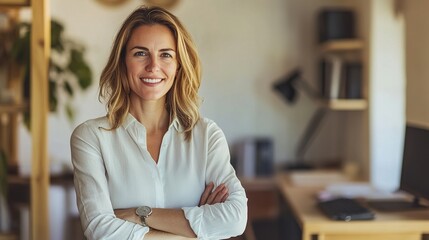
x: 409, y: 225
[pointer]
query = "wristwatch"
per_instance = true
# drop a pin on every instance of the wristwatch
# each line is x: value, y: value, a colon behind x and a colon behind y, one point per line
x: 143, y: 212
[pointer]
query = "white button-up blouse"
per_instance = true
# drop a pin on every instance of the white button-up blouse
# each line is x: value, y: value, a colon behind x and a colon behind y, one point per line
x: 113, y: 169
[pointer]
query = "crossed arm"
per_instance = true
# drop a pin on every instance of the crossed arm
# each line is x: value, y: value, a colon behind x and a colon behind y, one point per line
x: 173, y: 220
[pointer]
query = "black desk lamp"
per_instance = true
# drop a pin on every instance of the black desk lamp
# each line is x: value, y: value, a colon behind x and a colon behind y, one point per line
x: 287, y: 86
x: 288, y: 89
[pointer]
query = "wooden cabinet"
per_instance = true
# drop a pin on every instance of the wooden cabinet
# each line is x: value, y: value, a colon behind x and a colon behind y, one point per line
x: 38, y: 105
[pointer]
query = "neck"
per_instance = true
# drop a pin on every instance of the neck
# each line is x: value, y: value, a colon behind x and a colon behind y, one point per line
x: 152, y: 114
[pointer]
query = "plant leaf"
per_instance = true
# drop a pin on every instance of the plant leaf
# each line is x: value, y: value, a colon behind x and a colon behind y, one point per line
x: 70, y: 112
x: 80, y: 68
x: 20, y: 51
x: 68, y: 88
x: 57, y: 30
x: 26, y: 120
x: 53, y: 100
x: 57, y: 68
x: 76, y: 65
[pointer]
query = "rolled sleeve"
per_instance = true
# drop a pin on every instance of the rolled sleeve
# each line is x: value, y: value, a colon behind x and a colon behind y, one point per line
x: 218, y: 221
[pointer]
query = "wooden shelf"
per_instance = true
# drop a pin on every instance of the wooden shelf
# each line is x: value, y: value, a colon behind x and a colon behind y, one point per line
x: 58, y: 179
x: 342, y: 45
x: 19, y: 186
x: 13, y: 108
x: 344, y: 104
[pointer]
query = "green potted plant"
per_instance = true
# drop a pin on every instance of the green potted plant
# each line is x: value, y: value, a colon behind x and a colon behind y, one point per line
x: 68, y: 70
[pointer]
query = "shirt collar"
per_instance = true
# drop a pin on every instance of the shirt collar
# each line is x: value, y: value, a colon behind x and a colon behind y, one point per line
x: 130, y: 119
x: 177, y: 125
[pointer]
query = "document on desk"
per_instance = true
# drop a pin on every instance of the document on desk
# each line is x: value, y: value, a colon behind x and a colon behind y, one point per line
x: 357, y: 190
x: 316, y: 177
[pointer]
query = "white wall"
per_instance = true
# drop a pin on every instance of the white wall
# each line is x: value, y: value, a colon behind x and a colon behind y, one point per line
x: 387, y: 93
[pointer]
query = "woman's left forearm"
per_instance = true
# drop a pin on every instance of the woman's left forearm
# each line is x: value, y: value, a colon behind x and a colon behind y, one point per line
x: 167, y: 220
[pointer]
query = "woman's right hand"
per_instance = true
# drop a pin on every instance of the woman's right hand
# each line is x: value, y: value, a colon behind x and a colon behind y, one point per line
x: 219, y: 195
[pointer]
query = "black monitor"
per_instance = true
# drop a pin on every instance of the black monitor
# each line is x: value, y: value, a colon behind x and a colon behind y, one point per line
x: 414, y: 171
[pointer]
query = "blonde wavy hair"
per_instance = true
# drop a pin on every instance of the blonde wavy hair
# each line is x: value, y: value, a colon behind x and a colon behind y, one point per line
x: 182, y: 100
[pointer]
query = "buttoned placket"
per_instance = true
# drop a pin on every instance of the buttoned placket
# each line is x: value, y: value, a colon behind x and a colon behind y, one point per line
x: 160, y: 168
x: 138, y: 133
x: 157, y: 171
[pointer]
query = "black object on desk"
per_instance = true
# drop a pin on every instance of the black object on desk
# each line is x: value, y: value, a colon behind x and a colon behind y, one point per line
x: 345, y: 209
x: 396, y: 205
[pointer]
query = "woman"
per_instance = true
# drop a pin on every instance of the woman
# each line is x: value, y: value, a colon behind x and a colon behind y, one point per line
x: 153, y: 162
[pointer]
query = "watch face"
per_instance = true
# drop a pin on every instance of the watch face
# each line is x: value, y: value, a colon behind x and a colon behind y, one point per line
x: 143, y: 211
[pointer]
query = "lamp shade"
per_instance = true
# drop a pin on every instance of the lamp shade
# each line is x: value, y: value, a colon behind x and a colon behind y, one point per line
x: 286, y: 86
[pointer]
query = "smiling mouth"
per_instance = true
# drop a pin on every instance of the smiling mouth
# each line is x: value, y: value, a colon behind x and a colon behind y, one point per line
x: 151, y: 80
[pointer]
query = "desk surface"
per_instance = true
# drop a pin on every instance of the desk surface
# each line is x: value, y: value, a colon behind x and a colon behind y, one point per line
x: 302, y: 200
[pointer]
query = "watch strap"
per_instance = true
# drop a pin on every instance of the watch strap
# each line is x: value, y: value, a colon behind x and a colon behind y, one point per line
x: 143, y: 212
x: 143, y: 221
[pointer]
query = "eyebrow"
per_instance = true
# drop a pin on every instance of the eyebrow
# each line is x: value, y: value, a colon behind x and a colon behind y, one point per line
x: 146, y: 49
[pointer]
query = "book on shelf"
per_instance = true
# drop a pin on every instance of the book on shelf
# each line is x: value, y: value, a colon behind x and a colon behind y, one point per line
x: 353, y: 83
x: 335, y: 78
x: 331, y: 71
x: 340, y: 79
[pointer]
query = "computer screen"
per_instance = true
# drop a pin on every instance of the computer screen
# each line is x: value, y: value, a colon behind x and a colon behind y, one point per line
x: 415, y: 162
x: 414, y: 172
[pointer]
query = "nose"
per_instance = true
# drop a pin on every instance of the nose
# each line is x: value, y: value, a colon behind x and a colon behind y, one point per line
x: 153, y: 65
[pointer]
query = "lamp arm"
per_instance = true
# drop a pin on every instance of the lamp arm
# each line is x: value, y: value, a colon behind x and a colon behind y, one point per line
x: 310, y: 131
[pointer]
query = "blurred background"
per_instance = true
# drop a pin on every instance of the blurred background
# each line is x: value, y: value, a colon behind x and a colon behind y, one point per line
x: 246, y: 48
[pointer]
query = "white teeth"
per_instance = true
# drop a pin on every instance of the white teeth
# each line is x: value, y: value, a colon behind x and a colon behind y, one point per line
x: 152, y: 80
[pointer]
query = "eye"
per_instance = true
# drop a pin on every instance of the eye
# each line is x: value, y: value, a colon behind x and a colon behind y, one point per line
x: 140, y: 54
x: 166, y: 55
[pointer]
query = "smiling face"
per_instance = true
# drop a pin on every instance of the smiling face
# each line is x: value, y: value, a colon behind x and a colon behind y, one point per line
x: 151, y: 62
